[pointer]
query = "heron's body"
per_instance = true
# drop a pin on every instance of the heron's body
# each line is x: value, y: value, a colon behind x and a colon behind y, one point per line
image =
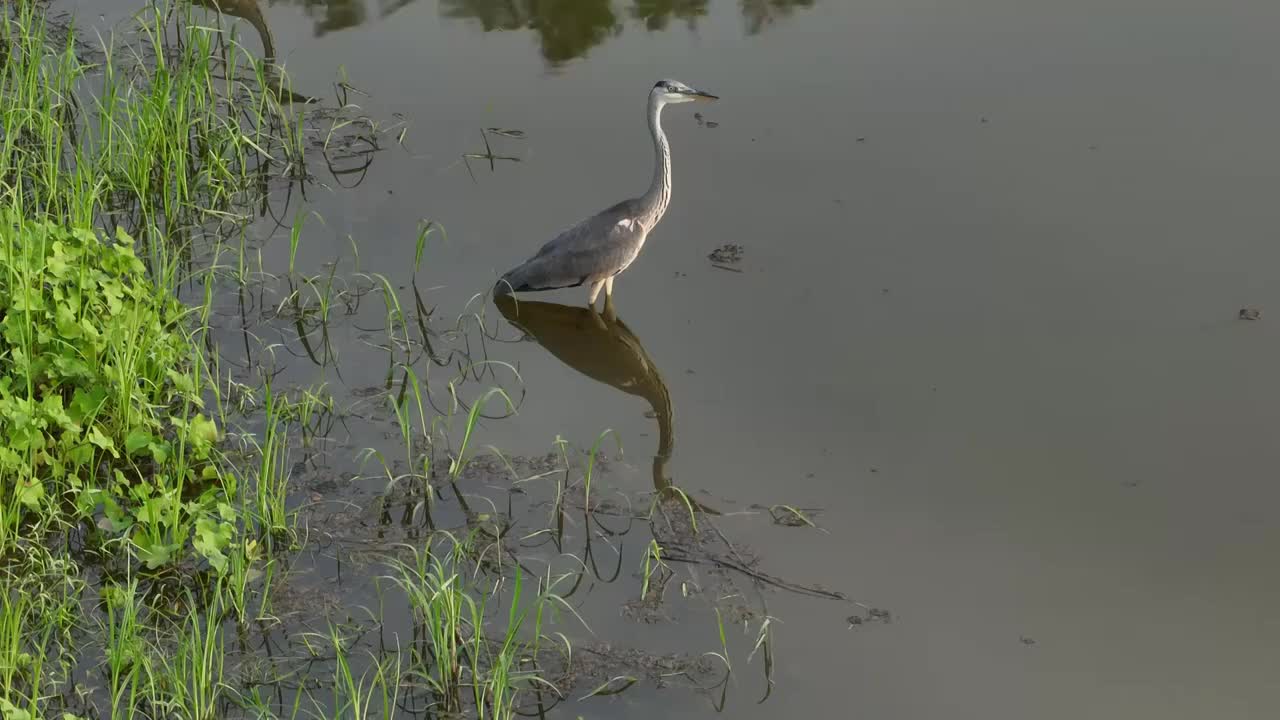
x: 595, y: 250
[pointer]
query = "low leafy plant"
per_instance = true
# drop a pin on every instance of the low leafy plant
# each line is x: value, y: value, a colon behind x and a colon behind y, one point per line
x: 100, y: 407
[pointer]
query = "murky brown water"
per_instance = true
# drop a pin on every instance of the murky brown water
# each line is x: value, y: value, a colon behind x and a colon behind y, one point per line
x: 985, y: 318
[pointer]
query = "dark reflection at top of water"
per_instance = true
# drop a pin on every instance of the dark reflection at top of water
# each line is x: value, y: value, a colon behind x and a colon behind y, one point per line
x: 340, y: 14
x: 656, y: 14
x: 760, y: 14
x: 566, y: 29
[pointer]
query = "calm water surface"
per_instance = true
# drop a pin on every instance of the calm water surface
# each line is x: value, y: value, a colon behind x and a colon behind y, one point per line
x: 993, y: 253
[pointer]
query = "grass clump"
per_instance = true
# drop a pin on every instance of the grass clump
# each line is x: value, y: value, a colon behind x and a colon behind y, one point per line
x: 464, y: 669
x: 156, y: 136
x: 38, y: 612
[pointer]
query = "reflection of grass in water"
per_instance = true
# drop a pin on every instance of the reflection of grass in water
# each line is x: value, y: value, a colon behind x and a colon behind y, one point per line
x: 571, y: 494
x: 682, y: 531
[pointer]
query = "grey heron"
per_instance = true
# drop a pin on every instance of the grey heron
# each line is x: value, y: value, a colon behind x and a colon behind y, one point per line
x: 595, y: 250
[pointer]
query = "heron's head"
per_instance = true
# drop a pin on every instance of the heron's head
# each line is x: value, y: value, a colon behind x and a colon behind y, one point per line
x: 674, y: 91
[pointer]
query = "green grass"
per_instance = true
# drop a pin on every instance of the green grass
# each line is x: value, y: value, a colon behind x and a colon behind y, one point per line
x: 466, y: 668
x: 112, y: 424
x: 36, y: 617
x: 160, y: 147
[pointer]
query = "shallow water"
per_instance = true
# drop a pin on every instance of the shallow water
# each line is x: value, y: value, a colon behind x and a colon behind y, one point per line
x: 985, y: 316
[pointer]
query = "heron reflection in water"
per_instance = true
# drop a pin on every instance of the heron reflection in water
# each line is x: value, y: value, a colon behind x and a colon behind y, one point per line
x: 604, y: 349
x: 251, y: 12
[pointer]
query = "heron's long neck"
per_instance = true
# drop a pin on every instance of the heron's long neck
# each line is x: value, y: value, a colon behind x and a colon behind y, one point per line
x: 655, y: 201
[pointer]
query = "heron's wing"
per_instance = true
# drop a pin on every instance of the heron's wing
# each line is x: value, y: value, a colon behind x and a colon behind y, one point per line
x: 590, y: 232
x: 595, y: 248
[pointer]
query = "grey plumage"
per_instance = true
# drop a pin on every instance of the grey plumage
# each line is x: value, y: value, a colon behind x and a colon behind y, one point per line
x: 595, y: 250
x: 600, y: 246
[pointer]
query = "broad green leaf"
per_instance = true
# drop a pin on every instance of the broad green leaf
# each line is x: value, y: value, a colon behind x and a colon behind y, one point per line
x: 86, y: 402
x: 9, y: 711
x: 137, y: 439
x: 155, y: 510
x: 181, y: 382
x: 155, y: 554
x: 160, y: 451
x: 212, y: 537
x: 68, y: 324
x: 96, y: 437
x: 203, y: 430
x: 116, y: 517
x: 30, y: 493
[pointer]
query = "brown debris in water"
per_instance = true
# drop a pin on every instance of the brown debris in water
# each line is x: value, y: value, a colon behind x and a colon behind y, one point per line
x: 728, y: 253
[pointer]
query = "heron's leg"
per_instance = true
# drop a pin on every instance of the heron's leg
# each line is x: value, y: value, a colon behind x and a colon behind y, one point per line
x: 610, y: 314
x: 594, y: 292
x: 608, y: 287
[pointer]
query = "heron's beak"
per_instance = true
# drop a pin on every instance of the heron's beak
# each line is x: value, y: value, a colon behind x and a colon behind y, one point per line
x: 703, y: 96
